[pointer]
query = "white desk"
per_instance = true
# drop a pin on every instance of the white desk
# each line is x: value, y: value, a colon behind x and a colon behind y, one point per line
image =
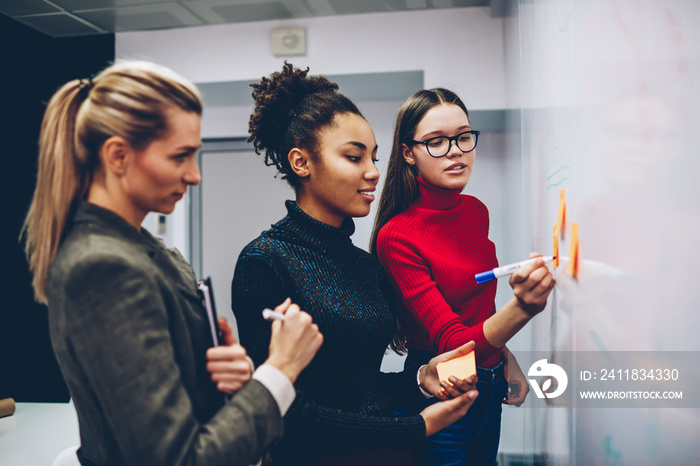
x: 36, y: 433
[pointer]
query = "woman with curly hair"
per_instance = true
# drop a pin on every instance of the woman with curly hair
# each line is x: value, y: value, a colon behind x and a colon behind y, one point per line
x: 345, y: 410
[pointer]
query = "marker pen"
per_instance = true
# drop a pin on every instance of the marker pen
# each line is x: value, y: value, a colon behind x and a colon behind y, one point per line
x: 499, y: 272
x: 269, y: 314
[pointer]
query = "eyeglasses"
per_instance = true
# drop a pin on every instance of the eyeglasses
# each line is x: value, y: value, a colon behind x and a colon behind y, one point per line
x: 440, y: 146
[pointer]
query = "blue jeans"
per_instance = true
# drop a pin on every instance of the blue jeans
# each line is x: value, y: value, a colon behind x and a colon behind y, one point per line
x: 472, y: 440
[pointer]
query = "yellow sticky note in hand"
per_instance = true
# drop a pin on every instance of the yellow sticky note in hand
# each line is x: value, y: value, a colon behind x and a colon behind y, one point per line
x: 461, y: 367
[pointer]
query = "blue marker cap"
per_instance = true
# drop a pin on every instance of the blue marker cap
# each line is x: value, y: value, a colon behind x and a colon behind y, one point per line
x: 485, y: 277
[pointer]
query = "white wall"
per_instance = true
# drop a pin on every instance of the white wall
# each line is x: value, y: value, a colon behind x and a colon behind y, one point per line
x: 461, y: 48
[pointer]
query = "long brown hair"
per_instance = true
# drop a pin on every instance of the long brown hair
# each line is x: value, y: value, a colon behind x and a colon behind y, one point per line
x: 400, y: 186
x: 127, y: 99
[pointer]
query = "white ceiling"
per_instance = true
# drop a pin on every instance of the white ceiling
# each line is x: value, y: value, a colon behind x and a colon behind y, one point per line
x: 61, y: 18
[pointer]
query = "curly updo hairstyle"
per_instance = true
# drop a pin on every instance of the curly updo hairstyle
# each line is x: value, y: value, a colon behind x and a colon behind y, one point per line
x: 291, y: 109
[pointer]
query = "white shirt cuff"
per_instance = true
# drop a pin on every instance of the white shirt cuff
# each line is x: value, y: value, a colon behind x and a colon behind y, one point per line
x: 422, y: 390
x: 279, y: 386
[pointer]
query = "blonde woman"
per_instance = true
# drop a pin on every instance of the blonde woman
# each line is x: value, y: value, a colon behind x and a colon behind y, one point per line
x: 127, y: 326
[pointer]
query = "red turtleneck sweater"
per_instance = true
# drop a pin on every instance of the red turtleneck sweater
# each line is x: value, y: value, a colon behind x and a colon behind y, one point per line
x: 431, y: 253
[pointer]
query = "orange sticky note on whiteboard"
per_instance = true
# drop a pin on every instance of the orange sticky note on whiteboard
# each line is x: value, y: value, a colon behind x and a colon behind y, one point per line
x: 461, y: 367
x: 555, y: 247
x: 561, y: 216
x: 572, y: 268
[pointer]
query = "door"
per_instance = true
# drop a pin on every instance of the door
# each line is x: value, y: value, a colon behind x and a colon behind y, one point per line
x: 239, y: 197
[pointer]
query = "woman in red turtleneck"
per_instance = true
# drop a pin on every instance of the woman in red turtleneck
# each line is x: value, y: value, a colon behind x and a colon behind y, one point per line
x: 432, y: 240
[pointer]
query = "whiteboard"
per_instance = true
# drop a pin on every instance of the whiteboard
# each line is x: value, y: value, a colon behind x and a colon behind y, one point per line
x: 611, y: 114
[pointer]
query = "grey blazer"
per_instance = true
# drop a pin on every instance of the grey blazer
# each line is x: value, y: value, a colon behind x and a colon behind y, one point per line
x: 130, y: 334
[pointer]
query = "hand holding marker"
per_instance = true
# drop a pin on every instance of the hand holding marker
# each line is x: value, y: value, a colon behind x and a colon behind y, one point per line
x: 499, y: 272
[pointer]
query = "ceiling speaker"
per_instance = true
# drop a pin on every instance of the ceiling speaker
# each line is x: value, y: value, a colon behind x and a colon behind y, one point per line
x: 288, y: 41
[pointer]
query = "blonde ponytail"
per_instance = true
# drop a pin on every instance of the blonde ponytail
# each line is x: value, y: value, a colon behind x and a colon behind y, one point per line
x: 128, y: 99
x: 60, y: 181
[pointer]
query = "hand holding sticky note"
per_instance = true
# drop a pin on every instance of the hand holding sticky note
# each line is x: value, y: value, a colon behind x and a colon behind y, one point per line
x: 460, y: 367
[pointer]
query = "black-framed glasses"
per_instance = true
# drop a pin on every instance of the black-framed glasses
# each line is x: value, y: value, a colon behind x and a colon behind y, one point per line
x: 440, y: 146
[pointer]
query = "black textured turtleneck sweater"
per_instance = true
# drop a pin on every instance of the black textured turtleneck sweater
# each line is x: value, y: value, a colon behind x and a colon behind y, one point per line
x: 344, y: 402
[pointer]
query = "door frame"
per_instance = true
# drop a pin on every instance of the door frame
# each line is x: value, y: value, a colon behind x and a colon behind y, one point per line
x: 212, y: 145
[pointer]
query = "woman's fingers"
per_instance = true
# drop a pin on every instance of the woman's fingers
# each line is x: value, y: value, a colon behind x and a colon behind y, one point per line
x: 544, y: 286
x: 282, y: 308
x: 226, y: 353
x: 454, y: 387
x: 227, y: 330
x: 524, y: 274
x: 532, y: 284
x: 236, y: 367
x: 229, y: 387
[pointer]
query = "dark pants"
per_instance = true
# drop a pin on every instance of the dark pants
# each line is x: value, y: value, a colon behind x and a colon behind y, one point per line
x: 368, y: 457
x: 379, y: 457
